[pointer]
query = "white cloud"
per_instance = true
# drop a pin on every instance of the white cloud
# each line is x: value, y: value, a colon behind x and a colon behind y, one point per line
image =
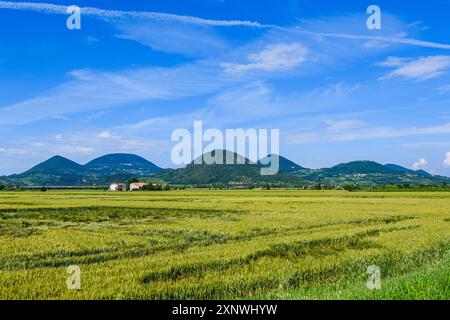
x: 105, y: 135
x: 447, y: 160
x: 191, y: 40
x: 342, y: 125
x: 366, y: 133
x: 423, y: 68
x: 277, y: 57
x: 394, y: 62
x: 444, y: 89
x: 13, y: 151
x: 82, y: 149
x: 90, y: 90
x: 421, y: 163
x: 426, y: 145
x: 418, y: 25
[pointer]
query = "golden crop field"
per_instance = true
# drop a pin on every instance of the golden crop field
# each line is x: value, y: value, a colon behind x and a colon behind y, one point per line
x: 272, y: 244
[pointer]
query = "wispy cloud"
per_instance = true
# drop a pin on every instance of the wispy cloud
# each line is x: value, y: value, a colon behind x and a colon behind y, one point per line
x: 394, y: 62
x: 392, y: 39
x: 90, y: 90
x: 106, y: 135
x: 343, y: 125
x: 277, y: 57
x: 12, y: 151
x: 423, y: 68
x: 444, y: 89
x: 427, y: 145
x: 366, y: 133
x: 191, y: 40
x: 49, y: 8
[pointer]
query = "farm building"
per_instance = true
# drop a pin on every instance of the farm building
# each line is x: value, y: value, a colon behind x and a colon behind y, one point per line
x: 137, y: 185
x: 118, y: 187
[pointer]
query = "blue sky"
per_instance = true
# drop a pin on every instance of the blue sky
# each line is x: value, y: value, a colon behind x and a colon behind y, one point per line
x: 138, y: 70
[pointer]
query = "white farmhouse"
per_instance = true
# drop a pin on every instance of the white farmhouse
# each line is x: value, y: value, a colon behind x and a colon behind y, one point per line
x: 137, y: 185
x: 118, y: 187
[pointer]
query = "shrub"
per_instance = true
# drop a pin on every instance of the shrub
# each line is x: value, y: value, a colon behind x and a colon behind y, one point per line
x: 351, y: 187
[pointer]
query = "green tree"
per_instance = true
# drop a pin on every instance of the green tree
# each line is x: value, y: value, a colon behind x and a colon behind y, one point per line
x: 351, y: 187
x: 132, y: 180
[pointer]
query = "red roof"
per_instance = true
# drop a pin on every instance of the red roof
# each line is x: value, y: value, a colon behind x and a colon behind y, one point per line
x: 139, y: 184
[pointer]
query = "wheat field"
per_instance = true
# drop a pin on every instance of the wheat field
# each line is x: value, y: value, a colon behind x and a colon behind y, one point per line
x: 207, y: 244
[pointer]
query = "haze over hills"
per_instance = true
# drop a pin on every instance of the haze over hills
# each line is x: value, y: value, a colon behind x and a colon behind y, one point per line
x: 121, y: 167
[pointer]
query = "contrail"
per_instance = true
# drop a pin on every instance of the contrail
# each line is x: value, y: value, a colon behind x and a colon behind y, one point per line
x: 398, y: 40
x: 49, y: 8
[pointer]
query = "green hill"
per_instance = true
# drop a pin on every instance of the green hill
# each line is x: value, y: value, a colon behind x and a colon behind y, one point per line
x: 121, y: 163
x: 359, y: 167
x: 121, y: 167
x: 4, y: 181
x: 403, y: 169
x: 246, y: 174
x: 58, y: 171
x: 369, y: 173
x: 285, y: 165
x: 54, y: 171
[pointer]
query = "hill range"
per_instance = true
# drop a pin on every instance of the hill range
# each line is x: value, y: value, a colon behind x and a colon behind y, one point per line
x: 60, y: 171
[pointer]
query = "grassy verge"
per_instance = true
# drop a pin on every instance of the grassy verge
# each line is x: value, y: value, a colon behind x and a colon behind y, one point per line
x: 430, y: 282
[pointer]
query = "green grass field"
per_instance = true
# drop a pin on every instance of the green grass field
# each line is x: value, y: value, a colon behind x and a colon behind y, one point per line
x: 224, y: 244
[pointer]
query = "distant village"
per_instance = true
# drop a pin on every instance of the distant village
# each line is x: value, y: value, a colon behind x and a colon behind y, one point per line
x: 117, y: 186
x: 136, y: 186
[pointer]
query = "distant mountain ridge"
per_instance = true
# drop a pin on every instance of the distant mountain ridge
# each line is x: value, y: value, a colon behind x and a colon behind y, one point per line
x: 359, y: 167
x: 364, y: 173
x: 56, y: 170
x: 121, y: 167
x: 397, y: 167
x: 370, y: 173
x: 285, y: 165
x: 121, y: 163
x: 103, y: 170
x: 248, y: 173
